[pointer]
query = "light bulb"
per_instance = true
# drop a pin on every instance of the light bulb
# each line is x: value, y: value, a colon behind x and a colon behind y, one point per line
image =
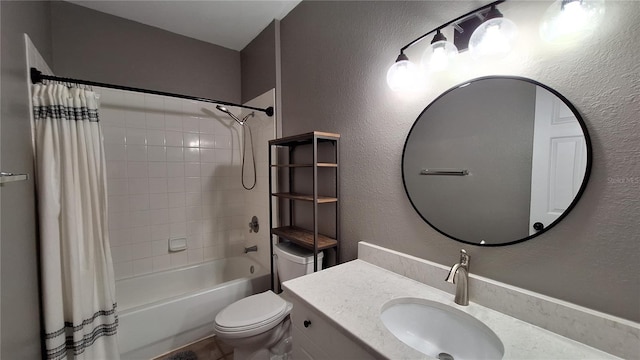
x: 439, y: 56
x: 572, y: 21
x: 402, y: 75
x: 493, y: 39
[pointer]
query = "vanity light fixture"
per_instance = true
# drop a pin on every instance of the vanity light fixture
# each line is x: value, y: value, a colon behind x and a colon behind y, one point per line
x: 571, y: 20
x: 494, y: 38
x: 439, y: 55
x: 403, y: 74
x: 495, y: 34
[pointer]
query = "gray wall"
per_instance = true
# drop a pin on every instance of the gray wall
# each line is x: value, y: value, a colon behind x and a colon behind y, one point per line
x: 20, y: 299
x: 458, y: 131
x: 334, y: 61
x: 258, y: 61
x: 96, y: 46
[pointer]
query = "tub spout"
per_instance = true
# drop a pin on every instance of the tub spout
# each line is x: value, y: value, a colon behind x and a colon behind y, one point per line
x: 250, y: 249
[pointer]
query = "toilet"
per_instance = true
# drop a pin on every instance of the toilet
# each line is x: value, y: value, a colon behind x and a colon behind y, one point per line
x: 258, y: 326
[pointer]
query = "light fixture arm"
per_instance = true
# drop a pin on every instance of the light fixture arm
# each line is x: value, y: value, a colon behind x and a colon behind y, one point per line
x: 493, y: 4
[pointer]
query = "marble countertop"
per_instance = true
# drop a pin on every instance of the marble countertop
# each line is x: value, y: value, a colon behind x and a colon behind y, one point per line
x: 352, y: 295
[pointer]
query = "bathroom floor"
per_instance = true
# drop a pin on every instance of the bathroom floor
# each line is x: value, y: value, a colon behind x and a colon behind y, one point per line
x: 210, y: 348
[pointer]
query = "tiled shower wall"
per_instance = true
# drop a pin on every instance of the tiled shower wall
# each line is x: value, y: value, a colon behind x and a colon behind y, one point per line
x: 174, y: 170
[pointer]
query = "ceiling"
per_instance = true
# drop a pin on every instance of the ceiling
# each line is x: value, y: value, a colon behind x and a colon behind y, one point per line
x: 228, y: 23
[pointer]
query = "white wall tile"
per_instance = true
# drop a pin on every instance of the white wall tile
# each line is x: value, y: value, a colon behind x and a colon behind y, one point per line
x: 195, y: 255
x: 193, y: 184
x: 136, y: 152
x: 177, y: 215
x: 175, y: 169
x: 160, y: 247
x: 207, y: 141
x: 166, y: 158
x: 159, y: 201
x: 207, y: 156
x: 161, y: 263
x: 222, y: 141
x: 138, y: 202
x: 115, y: 152
x: 175, y: 184
x: 158, y: 216
x: 207, y: 126
x: 160, y: 232
x: 141, y: 250
x: 173, y: 122
x: 113, y: 134
x: 136, y: 136
x: 192, y: 169
x: 121, y: 253
x: 119, y: 237
x: 157, y: 169
x: 179, y: 259
x: 191, y: 140
x: 193, y: 198
x: 139, y: 218
x: 138, y: 186
x: 177, y: 230
x: 157, y: 185
x: 175, y: 154
x: 123, y: 270
x: 142, y: 266
x: 118, y: 203
x: 191, y: 124
x: 140, y: 234
x: 117, y: 186
x: 116, y: 169
x: 194, y: 213
x: 156, y: 153
x: 155, y: 137
x: 174, y: 138
x: 194, y: 227
x: 137, y: 169
x: 191, y: 154
x: 177, y: 199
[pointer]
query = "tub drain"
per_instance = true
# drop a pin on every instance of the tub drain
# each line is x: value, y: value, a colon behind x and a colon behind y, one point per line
x: 445, y: 356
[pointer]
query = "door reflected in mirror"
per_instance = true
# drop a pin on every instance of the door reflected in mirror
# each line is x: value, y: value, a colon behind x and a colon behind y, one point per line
x: 496, y: 161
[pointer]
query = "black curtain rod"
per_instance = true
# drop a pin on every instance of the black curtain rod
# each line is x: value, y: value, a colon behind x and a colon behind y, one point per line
x: 37, y: 76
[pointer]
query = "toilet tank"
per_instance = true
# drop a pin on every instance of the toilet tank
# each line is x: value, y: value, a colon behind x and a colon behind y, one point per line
x: 294, y: 261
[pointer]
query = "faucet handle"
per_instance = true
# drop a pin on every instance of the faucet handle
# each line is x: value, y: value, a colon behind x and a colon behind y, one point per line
x: 464, y: 258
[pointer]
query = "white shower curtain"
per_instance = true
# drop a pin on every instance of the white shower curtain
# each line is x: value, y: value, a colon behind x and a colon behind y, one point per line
x: 78, y: 288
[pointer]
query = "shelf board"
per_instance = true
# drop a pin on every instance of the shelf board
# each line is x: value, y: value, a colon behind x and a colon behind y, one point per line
x: 306, y: 197
x: 306, y: 138
x: 329, y: 165
x: 304, y: 237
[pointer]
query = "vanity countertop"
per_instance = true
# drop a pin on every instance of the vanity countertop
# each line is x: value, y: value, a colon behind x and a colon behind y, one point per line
x: 352, y: 294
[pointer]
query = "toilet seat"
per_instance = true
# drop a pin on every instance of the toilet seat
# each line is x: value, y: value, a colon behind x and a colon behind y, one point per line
x: 252, y: 315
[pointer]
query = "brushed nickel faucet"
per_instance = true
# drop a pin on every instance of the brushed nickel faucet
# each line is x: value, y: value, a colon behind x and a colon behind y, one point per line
x: 250, y: 249
x: 459, y: 275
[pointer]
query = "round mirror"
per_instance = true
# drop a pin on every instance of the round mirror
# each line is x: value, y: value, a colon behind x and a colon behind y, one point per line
x: 496, y: 160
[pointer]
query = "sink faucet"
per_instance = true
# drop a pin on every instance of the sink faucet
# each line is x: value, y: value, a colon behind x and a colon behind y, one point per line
x: 459, y: 275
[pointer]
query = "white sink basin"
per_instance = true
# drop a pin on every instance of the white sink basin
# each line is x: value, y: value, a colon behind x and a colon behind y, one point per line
x: 440, y: 331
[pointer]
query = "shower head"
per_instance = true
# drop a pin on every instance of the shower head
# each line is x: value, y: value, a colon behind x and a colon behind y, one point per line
x: 226, y: 111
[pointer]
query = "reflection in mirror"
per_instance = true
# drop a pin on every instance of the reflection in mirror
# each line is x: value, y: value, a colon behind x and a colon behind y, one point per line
x: 496, y: 161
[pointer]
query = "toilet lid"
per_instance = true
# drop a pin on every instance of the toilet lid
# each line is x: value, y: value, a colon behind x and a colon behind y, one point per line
x: 251, y: 312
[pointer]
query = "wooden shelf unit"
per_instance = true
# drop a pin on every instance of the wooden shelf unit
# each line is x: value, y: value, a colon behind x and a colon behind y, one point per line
x: 304, y: 237
x: 307, y: 238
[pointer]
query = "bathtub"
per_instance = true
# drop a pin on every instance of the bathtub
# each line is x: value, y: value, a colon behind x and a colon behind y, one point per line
x: 162, y: 311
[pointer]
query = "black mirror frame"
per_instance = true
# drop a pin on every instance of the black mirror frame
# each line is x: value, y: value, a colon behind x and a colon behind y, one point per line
x: 583, y: 186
